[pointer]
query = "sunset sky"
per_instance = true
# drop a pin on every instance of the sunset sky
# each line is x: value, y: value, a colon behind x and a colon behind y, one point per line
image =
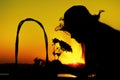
x: 48, y: 12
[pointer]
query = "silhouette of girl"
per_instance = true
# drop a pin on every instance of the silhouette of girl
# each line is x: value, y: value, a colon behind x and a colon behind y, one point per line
x: 100, y: 40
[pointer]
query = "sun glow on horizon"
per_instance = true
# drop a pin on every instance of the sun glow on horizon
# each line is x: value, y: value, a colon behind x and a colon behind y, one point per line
x: 75, y: 57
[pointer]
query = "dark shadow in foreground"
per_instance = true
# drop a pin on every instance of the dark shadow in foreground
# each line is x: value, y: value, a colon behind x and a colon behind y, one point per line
x: 38, y: 71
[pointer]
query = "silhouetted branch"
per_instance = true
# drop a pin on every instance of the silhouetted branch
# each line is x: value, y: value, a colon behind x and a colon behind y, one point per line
x: 64, y: 45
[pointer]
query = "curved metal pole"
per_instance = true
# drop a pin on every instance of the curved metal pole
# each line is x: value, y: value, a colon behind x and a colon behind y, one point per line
x: 17, y: 38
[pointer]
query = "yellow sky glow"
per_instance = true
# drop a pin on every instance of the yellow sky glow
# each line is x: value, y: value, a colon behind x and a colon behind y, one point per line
x: 48, y: 13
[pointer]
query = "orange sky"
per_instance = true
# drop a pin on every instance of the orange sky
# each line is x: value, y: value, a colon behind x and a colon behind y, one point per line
x: 48, y: 13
